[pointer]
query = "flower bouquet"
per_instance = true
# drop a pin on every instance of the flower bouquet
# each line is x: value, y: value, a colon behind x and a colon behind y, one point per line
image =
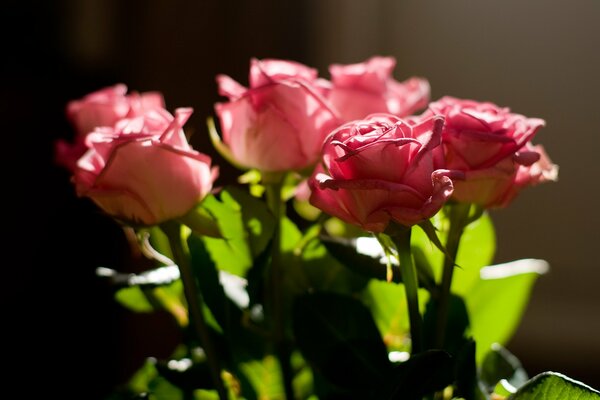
x: 350, y: 259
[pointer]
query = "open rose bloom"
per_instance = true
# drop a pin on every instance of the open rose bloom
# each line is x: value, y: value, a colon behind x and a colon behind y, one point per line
x: 280, y: 121
x: 492, y: 147
x: 368, y: 88
x: 381, y: 169
x: 103, y: 108
x: 276, y: 281
x: 143, y: 170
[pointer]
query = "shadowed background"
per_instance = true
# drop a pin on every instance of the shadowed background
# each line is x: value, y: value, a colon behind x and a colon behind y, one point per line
x: 539, y: 57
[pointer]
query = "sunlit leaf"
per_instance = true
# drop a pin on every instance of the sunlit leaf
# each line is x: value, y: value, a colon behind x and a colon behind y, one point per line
x: 476, y: 250
x: 499, y: 364
x: 496, y: 302
x: 387, y: 304
x: 134, y: 299
x: 246, y: 225
x: 554, y: 386
x: 143, y: 376
x: 265, y: 377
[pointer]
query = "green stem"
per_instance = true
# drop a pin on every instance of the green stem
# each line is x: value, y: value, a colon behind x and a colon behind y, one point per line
x: 459, y: 214
x: 411, y: 287
x: 195, y: 304
x: 273, y: 184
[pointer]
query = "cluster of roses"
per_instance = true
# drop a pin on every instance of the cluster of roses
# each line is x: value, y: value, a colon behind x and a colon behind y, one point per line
x: 375, y: 161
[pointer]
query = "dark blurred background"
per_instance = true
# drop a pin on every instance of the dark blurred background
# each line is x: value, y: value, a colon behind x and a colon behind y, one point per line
x: 540, y: 57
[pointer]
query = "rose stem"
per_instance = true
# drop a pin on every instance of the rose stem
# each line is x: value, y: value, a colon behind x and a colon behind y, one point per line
x: 411, y: 285
x: 459, y: 214
x: 273, y: 184
x: 195, y: 303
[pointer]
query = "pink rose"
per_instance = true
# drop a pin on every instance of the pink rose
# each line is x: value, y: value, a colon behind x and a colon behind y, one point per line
x: 143, y: 170
x: 368, y: 88
x: 102, y: 108
x: 381, y: 169
x: 543, y: 170
x: 489, y: 144
x: 280, y: 122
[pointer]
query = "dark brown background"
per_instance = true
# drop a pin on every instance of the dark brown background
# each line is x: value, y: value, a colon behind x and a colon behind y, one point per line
x: 540, y: 57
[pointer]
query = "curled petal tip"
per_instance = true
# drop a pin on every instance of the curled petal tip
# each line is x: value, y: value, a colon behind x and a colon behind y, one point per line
x: 526, y: 158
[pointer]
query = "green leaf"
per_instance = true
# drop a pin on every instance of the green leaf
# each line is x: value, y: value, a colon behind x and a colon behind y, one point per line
x: 496, y: 302
x: 499, y: 364
x: 422, y: 374
x: 338, y: 337
x: 476, y: 250
x: 246, y: 225
x: 142, y: 377
x: 387, y: 304
x: 134, y: 299
x: 207, y: 278
x: 158, y: 289
x: 264, y: 376
x: 554, y: 386
x: 241, y: 343
x: 161, y: 389
x: 327, y: 273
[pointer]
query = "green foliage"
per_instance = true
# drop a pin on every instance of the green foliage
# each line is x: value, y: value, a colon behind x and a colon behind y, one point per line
x: 386, y: 302
x: 499, y: 364
x: 477, y: 249
x: 339, y: 339
x: 497, y: 301
x: 246, y: 225
x: 554, y: 386
x: 344, y: 316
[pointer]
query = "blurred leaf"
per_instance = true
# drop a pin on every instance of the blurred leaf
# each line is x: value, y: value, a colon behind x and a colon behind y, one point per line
x: 338, y: 337
x: 242, y: 344
x: 207, y: 278
x: 160, y: 242
x: 134, y: 299
x: 456, y: 327
x: 327, y: 273
x: 294, y: 274
x: 142, y: 377
x: 554, y: 386
x: 476, y: 250
x: 499, y: 364
x: 247, y: 227
x: 161, y: 389
x: 422, y: 374
x: 303, y: 382
x: 265, y: 377
x: 502, y: 390
x: 387, y: 304
x: 306, y: 210
x: 497, y: 301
